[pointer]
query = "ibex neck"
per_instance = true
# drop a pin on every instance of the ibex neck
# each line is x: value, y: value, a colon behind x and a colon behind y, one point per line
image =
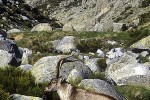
x: 64, y: 91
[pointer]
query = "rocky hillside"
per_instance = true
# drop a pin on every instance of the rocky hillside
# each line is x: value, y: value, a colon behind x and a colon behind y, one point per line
x: 97, y: 15
x: 19, y: 15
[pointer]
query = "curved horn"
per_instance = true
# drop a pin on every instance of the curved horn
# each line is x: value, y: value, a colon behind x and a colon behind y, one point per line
x: 59, y: 64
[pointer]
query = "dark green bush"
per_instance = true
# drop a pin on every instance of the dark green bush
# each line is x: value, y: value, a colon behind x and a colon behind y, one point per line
x: 3, y: 94
x: 102, y: 63
x: 15, y: 80
x: 145, y: 3
x: 97, y: 75
x: 139, y: 34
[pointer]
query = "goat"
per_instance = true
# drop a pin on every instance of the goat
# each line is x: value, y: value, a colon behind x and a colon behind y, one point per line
x: 68, y: 92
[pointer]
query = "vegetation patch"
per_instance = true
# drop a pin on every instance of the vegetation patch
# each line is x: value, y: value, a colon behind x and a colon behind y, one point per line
x: 16, y: 81
x: 134, y: 92
x: 98, y: 75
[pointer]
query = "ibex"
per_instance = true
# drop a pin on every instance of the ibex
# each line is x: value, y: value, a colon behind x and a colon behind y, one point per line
x: 68, y: 92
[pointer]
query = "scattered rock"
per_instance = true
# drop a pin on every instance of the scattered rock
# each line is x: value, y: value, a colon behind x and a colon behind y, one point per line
x: 100, y: 53
x: 144, y: 53
x: 75, y: 77
x: 92, y: 64
x: 100, y: 86
x: 66, y: 44
x: 12, y: 48
x: 42, y: 27
x: 80, y: 67
x: 23, y: 97
x: 26, y: 55
x: 142, y: 44
x: 139, y: 80
x: 26, y: 67
x: 117, y: 27
x: 114, y: 54
x: 5, y: 58
x: 125, y: 71
x: 67, y: 27
x: 13, y: 31
x: 112, y: 42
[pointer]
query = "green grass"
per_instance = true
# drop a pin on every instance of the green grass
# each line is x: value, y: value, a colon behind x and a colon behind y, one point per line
x: 97, y: 75
x: 14, y: 80
x: 134, y: 92
x: 3, y: 94
x: 87, y: 41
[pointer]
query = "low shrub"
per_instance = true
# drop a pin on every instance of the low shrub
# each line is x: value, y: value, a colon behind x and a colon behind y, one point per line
x: 102, y: 64
x: 3, y: 94
x: 97, y: 75
x: 15, y: 80
x: 134, y: 92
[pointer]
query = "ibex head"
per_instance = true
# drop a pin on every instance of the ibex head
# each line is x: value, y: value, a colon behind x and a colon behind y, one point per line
x: 54, y: 84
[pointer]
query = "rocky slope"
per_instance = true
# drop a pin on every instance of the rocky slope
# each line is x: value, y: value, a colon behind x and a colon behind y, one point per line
x: 20, y: 15
x: 98, y: 15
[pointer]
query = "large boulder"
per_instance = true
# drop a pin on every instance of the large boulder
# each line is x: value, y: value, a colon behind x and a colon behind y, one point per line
x: 42, y: 27
x: 11, y: 48
x: 142, y: 44
x: 80, y: 68
x: 46, y: 68
x: 75, y: 77
x: 126, y: 71
x: 100, y: 86
x: 23, y: 97
x: 66, y: 44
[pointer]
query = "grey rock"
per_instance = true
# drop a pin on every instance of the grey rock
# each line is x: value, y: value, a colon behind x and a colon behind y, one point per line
x: 117, y: 27
x: 139, y: 80
x: 46, y: 68
x: 96, y: 15
x: 75, y: 77
x: 125, y: 71
x: 78, y: 66
x: 67, y: 27
x: 10, y: 46
x: 42, y: 27
x: 55, y: 43
x: 13, y: 31
x: 142, y: 44
x: 92, y: 64
x: 26, y: 67
x: 5, y: 58
x: 112, y: 42
x: 26, y: 55
x: 86, y: 57
x: 35, y: 3
x: 100, y: 53
x: 100, y: 86
x: 144, y: 53
x: 23, y: 97
x: 67, y: 43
